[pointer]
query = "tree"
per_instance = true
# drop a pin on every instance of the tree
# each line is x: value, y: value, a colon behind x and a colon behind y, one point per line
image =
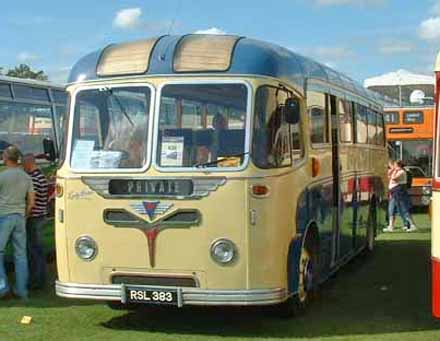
x: 24, y: 71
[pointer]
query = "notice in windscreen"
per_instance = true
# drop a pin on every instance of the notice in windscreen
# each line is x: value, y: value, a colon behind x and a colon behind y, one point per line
x: 172, y: 151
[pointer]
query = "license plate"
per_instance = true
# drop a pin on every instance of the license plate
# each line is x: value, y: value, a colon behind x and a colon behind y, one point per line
x: 152, y: 296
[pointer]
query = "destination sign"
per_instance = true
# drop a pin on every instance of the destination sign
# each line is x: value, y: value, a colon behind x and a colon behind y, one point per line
x: 401, y: 130
x: 159, y: 187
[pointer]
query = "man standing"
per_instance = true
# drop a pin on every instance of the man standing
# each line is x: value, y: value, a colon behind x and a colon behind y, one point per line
x: 17, y: 198
x: 35, y: 223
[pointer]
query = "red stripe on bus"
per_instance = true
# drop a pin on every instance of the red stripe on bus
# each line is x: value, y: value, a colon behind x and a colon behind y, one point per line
x: 435, y: 287
x: 436, y: 181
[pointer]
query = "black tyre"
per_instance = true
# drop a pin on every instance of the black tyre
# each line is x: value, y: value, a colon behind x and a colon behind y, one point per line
x: 372, y: 228
x: 307, y: 282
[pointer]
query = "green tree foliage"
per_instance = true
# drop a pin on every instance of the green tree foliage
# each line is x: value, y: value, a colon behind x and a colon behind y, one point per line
x: 24, y: 71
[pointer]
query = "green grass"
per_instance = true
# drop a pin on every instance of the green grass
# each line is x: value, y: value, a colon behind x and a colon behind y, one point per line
x: 385, y: 296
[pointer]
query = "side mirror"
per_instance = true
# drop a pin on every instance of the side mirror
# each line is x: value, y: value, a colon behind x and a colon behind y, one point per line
x: 49, y: 149
x: 292, y: 111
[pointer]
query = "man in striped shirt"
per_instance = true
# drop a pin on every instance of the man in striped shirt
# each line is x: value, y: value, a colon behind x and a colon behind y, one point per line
x: 35, y: 224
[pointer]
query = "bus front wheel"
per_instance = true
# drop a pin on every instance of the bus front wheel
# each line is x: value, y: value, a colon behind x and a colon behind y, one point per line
x: 307, y: 281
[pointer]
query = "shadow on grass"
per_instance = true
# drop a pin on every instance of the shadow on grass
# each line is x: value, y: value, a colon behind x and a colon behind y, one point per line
x: 44, y: 298
x: 387, y: 292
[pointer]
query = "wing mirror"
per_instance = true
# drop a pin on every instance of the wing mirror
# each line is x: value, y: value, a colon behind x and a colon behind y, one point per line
x: 292, y: 110
x: 49, y: 149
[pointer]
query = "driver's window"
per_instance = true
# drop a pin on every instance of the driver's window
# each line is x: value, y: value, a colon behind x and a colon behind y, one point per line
x: 273, y: 137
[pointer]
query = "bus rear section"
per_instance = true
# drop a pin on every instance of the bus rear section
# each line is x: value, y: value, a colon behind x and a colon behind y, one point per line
x: 435, y: 221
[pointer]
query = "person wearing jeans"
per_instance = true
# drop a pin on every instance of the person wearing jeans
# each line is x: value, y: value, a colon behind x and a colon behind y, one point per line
x: 35, y: 224
x: 17, y: 198
x: 397, y: 197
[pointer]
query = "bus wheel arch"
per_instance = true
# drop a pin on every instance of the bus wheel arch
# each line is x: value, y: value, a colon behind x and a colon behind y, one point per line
x: 302, y: 272
x: 372, y: 225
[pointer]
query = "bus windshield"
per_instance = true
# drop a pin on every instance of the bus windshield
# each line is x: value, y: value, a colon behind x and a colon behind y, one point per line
x: 202, y: 125
x: 110, y: 128
x: 414, y: 153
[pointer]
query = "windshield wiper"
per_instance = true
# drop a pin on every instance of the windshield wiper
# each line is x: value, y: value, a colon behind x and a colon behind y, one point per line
x: 121, y: 106
x: 210, y: 163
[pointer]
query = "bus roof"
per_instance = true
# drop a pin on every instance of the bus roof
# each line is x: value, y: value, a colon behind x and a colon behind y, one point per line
x: 224, y: 54
x: 39, y: 83
x: 437, y: 63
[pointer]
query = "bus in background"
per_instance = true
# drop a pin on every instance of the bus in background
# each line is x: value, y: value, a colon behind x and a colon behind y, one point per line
x: 435, y: 203
x: 410, y: 132
x: 214, y: 170
x: 31, y: 111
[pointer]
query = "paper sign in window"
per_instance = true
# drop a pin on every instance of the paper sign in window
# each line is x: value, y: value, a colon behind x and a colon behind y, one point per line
x: 172, y: 151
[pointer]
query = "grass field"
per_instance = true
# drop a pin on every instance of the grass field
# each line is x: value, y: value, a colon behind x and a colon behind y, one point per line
x: 383, y: 297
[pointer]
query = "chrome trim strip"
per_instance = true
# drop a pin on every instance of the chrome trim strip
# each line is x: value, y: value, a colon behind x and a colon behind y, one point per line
x: 188, y: 296
x: 201, y: 187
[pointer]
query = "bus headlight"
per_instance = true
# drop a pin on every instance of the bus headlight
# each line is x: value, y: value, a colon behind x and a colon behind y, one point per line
x: 426, y: 190
x: 86, y: 248
x: 223, y: 251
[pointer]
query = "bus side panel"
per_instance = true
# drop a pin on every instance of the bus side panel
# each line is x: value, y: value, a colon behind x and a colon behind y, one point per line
x: 274, y: 229
x: 435, y: 252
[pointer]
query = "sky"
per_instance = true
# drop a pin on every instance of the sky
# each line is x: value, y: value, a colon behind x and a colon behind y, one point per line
x: 361, y: 38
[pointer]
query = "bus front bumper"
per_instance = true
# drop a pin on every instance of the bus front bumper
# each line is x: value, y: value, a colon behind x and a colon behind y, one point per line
x: 188, y: 296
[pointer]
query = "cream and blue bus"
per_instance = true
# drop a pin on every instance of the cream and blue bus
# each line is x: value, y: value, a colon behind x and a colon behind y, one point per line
x: 214, y: 170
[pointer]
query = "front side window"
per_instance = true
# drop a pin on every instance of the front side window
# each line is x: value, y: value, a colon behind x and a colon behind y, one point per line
x: 276, y: 143
x: 318, y: 117
x: 202, y: 126
x: 413, y: 117
x: 25, y: 125
x: 110, y: 128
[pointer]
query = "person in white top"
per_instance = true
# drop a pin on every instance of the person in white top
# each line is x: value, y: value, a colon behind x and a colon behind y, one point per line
x: 398, y: 200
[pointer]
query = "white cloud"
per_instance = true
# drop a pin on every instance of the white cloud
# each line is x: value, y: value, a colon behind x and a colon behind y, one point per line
x: 128, y: 18
x: 27, y: 57
x: 395, y: 47
x: 430, y: 29
x: 212, y: 30
x: 349, y: 2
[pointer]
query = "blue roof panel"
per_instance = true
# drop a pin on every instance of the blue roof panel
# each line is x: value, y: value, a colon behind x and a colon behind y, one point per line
x: 250, y: 57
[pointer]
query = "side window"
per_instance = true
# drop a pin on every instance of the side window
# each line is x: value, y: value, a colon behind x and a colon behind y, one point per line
x: 272, y: 135
x: 413, y: 117
x: 380, y: 130
x: 345, y: 121
x: 25, y: 125
x: 361, y: 124
x: 372, y: 132
x: 392, y: 117
x: 318, y: 117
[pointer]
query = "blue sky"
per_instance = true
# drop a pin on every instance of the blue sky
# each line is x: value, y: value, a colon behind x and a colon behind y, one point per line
x: 362, y: 38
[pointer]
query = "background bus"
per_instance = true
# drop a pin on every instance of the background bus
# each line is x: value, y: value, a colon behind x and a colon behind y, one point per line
x: 410, y: 132
x: 409, y: 108
x: 435, y: 226
x: 29, y: 112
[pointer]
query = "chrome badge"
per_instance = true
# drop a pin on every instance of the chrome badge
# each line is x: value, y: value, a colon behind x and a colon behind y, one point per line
x: 151, y: 208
